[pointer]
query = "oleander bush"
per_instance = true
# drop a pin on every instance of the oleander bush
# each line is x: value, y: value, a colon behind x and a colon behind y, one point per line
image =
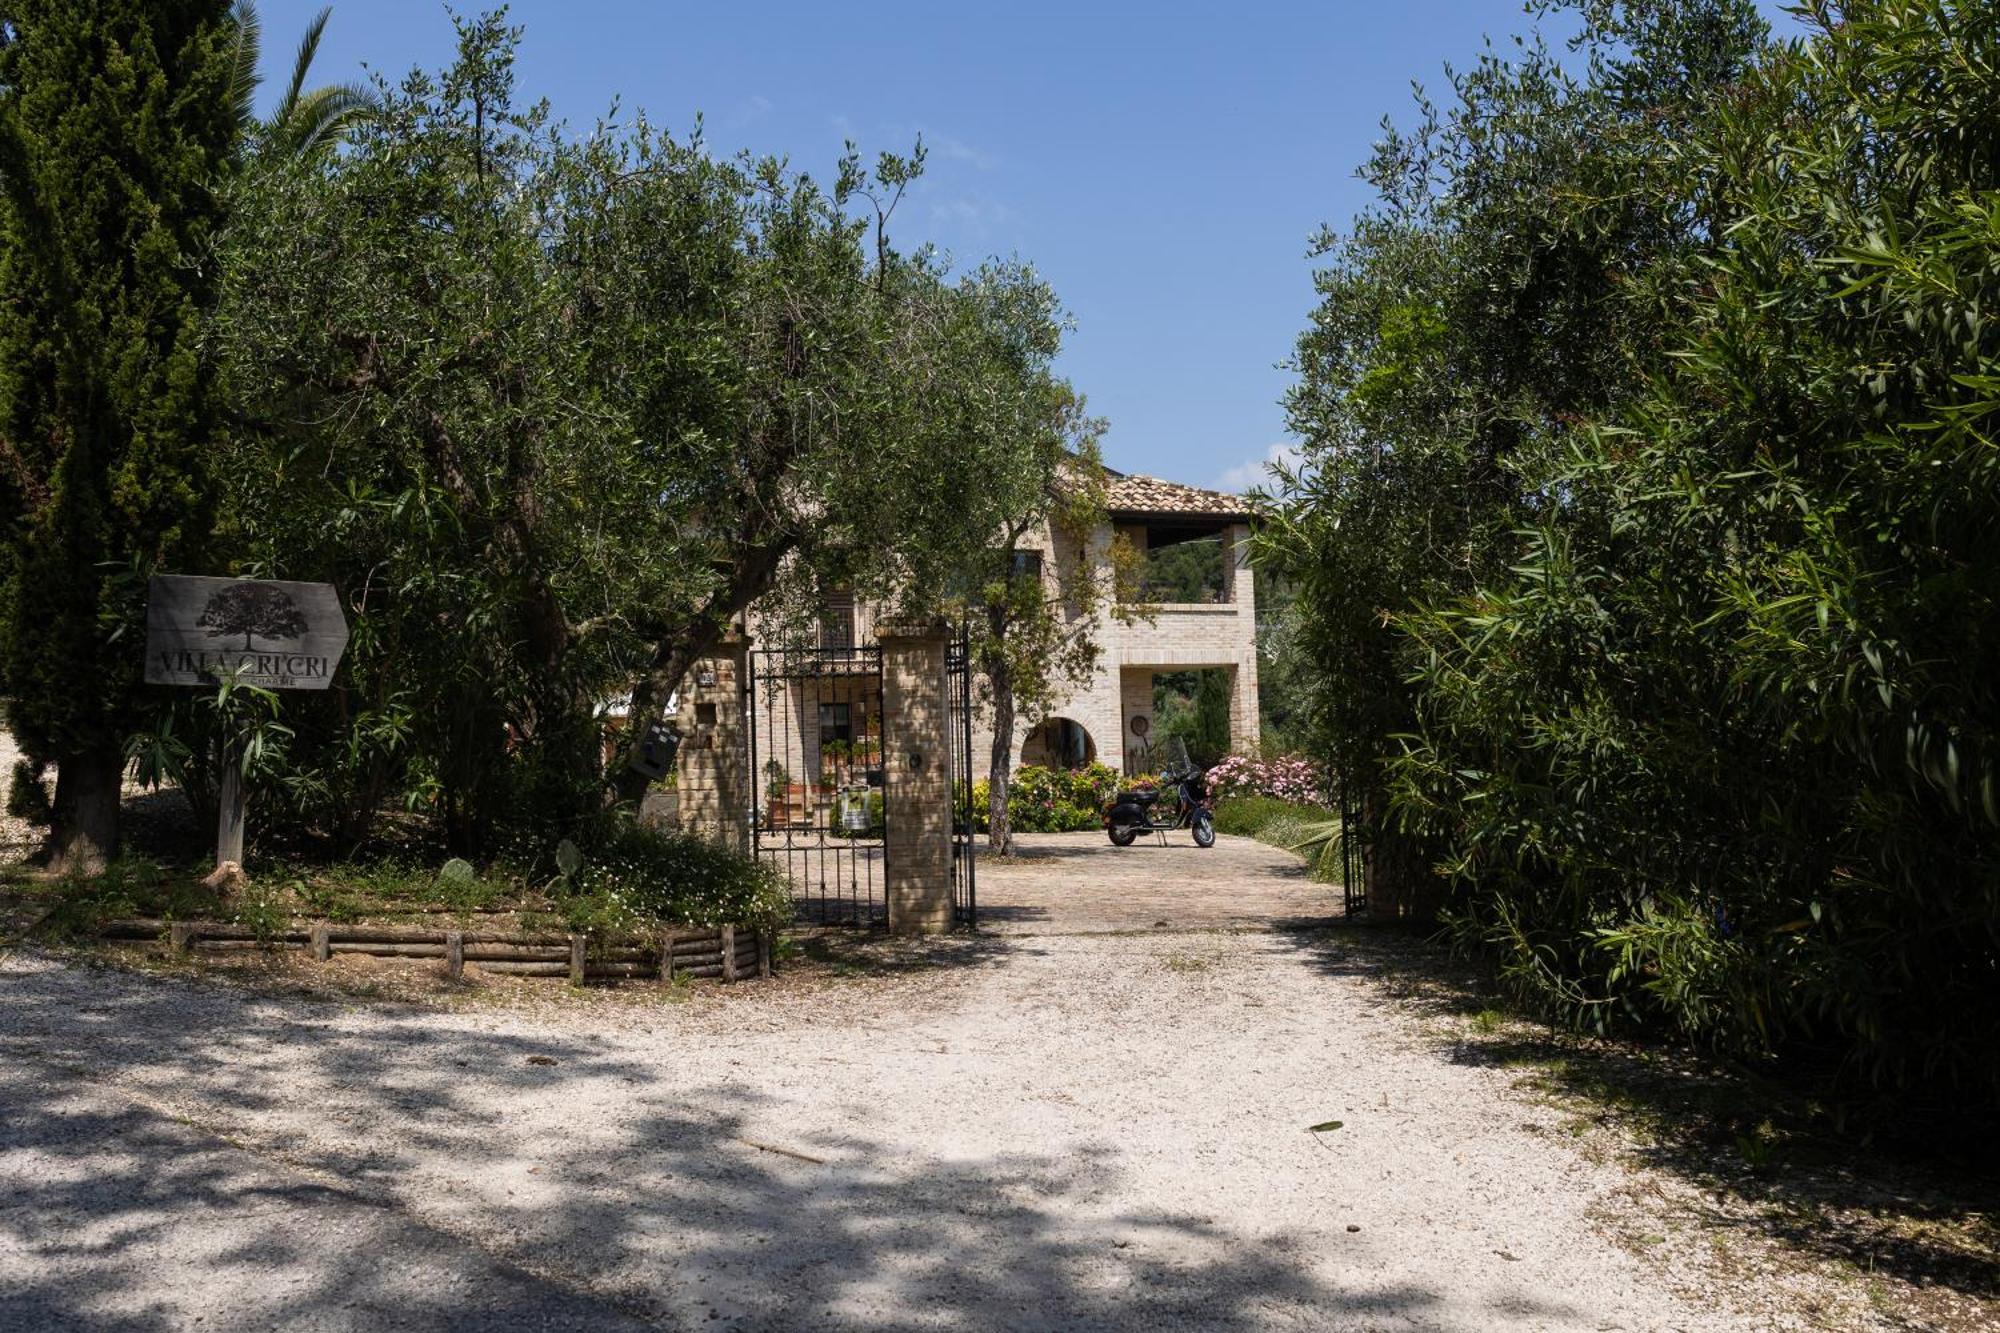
x: 1290, y: 778
x: 1644, y: 531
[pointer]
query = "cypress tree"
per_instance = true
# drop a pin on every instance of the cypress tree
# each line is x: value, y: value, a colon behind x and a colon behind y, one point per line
x: 117, y: 127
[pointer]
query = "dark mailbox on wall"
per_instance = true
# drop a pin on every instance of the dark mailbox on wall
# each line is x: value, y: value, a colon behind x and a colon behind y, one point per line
x: 656, y: 752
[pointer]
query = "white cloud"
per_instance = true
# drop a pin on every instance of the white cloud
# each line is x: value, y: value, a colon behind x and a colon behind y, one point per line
x: 957, y: 150
x: 1257, y: 471
x: 750, y: 110
x: 977, y: 217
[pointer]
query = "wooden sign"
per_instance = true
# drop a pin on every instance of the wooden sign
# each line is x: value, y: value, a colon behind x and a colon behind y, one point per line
x: 282, y: 636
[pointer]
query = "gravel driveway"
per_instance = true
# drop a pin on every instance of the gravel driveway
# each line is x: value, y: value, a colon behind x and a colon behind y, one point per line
x: 1078, y: 883
x: 1066, y: 1129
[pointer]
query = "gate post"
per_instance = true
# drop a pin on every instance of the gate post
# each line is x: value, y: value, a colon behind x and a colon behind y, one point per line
x: 916, y: 776
x: 714, y: 757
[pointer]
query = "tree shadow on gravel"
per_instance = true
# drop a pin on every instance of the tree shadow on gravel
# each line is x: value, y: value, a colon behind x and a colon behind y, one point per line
x: 844, y: 952
x: 841, y: 1231
x: 129, y: 1203
x: 169, y: 1151
x: 1771, y: 1159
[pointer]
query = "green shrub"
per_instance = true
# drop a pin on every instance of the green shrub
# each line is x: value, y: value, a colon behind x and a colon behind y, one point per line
x: 347, y: 890
x: 1296, y: 828
x: 1060, y: 800
x: 982, y: 796
x: 1246, y: 816
x: 642, y: 878
x: 129, y: 886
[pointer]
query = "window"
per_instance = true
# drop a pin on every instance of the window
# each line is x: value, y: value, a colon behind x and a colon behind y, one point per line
x: 1027, y: 565
x: 836, y: 621
x: 836, y: 723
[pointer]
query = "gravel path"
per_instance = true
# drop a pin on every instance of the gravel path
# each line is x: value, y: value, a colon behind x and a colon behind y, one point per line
x: 1060, y: 1130
x: 1078, y: 883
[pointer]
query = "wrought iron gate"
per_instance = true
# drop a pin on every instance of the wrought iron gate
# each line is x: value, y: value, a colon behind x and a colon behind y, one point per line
x: 813, y: 717
x: 958, y: 725
x: 1353, y: 863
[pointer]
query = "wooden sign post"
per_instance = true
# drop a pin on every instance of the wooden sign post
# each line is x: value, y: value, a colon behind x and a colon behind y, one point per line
x: 264, y: 632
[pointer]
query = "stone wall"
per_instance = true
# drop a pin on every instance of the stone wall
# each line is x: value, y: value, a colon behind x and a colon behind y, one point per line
x: 714, y: 785
x: 917, y: 778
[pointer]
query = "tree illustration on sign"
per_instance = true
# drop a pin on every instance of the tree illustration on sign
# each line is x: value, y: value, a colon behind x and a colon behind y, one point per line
x: 252, y: 609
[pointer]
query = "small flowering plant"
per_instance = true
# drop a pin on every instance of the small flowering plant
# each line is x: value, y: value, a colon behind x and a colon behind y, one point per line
x: 640, y: 879
x: 1290, y: 778
x: 1058, y: 800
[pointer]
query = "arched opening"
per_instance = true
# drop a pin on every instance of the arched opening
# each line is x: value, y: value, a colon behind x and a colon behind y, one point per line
x: 1059, y: 743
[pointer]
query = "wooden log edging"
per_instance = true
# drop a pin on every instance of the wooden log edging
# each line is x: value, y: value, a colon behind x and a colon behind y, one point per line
x: 725, y: 952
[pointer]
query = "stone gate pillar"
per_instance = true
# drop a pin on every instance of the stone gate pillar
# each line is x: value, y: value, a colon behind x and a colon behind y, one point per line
x: 714, y: 759
x: 916, y: 776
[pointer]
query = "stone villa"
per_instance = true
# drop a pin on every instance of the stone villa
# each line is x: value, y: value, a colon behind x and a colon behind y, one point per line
x: 1215, y: 627
x: 1204, y: 617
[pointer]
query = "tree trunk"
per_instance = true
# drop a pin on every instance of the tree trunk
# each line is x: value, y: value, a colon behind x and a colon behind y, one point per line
x: 84, y: 831
x: 1000, y: 828
x: 229, y: 816
x: 675, y: 655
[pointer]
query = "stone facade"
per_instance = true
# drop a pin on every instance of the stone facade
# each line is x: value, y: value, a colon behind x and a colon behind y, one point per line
x: 713, y: 796
x: 1218, y: 634
x: 916, y: 768
x: 1177, y: 637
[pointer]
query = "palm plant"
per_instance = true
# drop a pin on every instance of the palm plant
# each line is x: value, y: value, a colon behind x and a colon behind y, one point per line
x: 306, y: 121
x: 1318, y: 841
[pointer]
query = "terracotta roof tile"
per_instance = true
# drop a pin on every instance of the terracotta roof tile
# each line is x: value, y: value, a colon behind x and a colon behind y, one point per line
x: 1133, y: 494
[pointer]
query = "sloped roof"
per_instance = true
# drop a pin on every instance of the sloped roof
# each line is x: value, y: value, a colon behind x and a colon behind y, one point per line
x: 1151, y: 497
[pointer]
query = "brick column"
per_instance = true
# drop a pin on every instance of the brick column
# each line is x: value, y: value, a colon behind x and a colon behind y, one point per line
x: 1237, y: 571
x: 916, y: 775
x: 1246, y: 726
x: 714, y: 782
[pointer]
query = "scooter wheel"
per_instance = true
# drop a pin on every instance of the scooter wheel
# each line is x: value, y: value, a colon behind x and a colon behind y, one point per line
x: 1204, y: 830
x: 1122, y: 834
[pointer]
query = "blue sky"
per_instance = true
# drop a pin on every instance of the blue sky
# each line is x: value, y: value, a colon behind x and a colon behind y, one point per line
x: 1162, y: 165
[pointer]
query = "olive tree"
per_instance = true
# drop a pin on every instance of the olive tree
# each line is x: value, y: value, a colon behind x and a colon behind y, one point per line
x: 555, y: 410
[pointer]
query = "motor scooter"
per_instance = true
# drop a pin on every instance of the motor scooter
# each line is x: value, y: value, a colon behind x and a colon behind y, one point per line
x: 1138, y: 809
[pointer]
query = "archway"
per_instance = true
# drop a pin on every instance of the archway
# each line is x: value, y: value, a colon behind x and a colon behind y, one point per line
x: 1060, y: 742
